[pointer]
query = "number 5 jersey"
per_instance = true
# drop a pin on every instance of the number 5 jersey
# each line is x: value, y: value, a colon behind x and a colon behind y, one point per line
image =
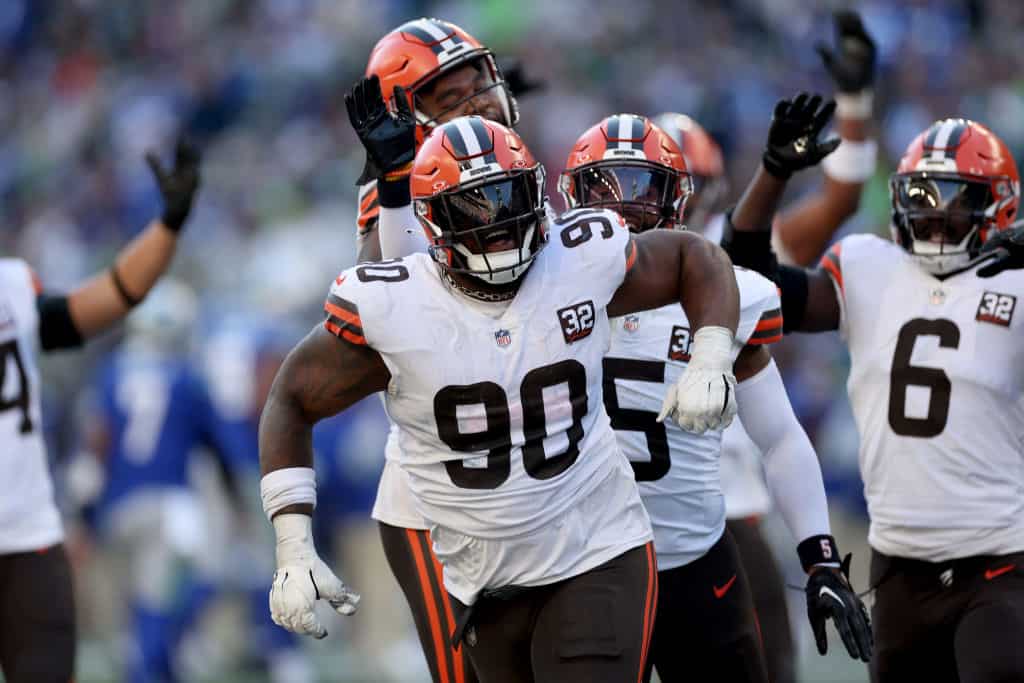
x: 502, y: 428
x: 937, y: 389
x: 28, y: 515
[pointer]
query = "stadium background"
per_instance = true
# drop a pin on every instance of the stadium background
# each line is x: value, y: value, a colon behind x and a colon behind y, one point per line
x: 86, y: 86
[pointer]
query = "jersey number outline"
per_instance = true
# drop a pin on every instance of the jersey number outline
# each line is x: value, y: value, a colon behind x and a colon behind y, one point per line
x: 388, y: 270
x: 903, y: 374
x: 496, y: 438
x: 10, y: 352
x: 633, y: 420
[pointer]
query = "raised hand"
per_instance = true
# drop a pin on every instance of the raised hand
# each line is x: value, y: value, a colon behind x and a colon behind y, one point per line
x: 389, y: 138
x: 852, y: 63
x: 178, y: 184
x: 793, y: 142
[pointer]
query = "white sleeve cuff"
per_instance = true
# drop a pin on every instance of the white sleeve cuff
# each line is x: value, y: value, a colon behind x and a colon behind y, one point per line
x: 852, y: 162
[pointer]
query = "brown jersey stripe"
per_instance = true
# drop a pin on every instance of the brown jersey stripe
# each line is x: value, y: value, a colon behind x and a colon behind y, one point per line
x: 338, y: 329
x: 767, y: 338
x: 343, y: 304
x: 345, y: 316
x: 770, y: 319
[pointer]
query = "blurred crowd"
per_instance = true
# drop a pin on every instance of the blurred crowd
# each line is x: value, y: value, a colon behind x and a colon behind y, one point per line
x: 87, y: 86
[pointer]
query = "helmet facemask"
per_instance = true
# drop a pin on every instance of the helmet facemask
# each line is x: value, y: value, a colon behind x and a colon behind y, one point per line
x: 645, y: 194
x: 491, y: 229
x: 483, y: 61
x: 941, y: 218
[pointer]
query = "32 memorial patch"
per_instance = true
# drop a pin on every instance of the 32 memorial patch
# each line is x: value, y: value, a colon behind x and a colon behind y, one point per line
x: 577, y: 321
x: 996, y: 308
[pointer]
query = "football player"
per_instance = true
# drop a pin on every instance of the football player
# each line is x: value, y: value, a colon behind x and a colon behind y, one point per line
x: 489, y: 350
x: 430, y: 71
x: 801, y: 233
x: 149, y: 414
x: 37, y: 628
x: 705, y: 619
x: 935, y: 389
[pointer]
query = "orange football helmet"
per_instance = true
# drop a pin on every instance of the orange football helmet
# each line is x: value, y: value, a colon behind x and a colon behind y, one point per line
x: 956, y: 185
x: 479, y: 194
x: 628, y: 164
x: 417, y: 52
x: 703, y: 159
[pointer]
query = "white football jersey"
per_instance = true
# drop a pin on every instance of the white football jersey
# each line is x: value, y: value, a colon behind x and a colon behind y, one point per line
x: 502, y: 429
x: 678, y: 471
x: 29, y: 519
x: 937, y: 390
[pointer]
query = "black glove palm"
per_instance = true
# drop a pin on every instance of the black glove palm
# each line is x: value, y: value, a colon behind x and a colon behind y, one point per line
x: 389, y: 139
x: 1007, y: 248
x: 852, y: 64
x: 178, y: 185
x: 793, y: 136
x: 829, y: 595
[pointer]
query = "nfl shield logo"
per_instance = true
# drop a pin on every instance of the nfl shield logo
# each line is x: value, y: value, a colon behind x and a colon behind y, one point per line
x: 631, y: 323
x: 503, y: 337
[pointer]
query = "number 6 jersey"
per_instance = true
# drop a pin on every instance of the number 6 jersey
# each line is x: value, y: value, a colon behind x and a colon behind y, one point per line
x: 502, y: 429
x: 937, y: 389
x: 678, y: 471
x: 28, y: 515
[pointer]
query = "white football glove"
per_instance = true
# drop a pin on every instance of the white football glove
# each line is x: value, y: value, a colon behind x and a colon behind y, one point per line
x: 704, y: 397
x: 302, y: 578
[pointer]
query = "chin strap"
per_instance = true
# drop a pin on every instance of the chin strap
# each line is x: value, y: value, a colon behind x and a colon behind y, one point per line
x: 478, y: 294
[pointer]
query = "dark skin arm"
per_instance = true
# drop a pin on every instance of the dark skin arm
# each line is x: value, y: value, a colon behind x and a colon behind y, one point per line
x: 806, y: 229
x: 679, y: 267
x: 752, y: 360
x: 368, y: 244
x: 322, y: 376
x: 754, y: 211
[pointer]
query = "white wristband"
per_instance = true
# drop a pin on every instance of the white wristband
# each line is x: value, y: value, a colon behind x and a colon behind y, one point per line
x: 852, y: 162
x: 858, y: 105
x: 712, y: 348
x: 288, y: 486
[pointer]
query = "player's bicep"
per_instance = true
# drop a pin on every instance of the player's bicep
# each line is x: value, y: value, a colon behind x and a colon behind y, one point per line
x: 326, y: 373
x: 823, y: 309
x: 653, y: 263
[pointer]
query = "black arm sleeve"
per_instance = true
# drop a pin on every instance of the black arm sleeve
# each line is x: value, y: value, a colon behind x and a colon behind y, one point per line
x: 56, y: 328
x: 753, y: 250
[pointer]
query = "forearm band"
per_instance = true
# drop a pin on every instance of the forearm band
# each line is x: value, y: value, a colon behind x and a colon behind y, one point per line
x: 287, y: 486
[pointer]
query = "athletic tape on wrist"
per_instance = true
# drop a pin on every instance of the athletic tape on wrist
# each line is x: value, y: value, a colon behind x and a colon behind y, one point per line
x: 852, y: 162
x: 820, y: 550
x: 712, y: 348
x: 288, y: 486
x: 855, y: 105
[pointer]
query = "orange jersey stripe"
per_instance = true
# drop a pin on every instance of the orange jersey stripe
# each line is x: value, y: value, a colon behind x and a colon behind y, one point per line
x: 440, y: 643
x: 774, y: 339
x: 342, y: 314
x: 344, y: 333
x: 767, y: 323
x: 832, y: 265
x: 631, y: 259
x: 650, y: 605
x: 460, y: 669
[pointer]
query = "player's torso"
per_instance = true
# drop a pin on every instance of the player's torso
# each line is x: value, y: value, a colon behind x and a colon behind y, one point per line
x: 678, y: 471
x: 937, y: 389
x: 28, y: 517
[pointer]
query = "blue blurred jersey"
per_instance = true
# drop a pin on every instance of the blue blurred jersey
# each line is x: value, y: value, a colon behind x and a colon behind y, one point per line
x: 156, y: 411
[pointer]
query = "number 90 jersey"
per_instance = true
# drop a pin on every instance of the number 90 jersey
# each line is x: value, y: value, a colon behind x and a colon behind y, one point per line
x: 502, y: 428
x: 28, y: 516
x: 677, y: 470
x: 937, y: 390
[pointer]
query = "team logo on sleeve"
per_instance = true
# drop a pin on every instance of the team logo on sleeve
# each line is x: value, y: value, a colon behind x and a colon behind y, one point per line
x: 679, y: 344
x: 996, y: 308
x: 503, y: 337
x: 577, y: 321
x: 631, y: 323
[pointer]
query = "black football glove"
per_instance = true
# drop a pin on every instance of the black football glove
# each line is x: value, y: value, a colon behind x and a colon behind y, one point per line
x: 1007, y: 246
x: 793, y: 142
x: 389, y: 139
x: 829, y: 595
x: 177, y: 185
x: 852, y: 63
x: 518, y: 82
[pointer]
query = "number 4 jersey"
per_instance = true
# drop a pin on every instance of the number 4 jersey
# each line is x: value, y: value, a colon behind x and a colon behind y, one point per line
x: 502, y: 428
x: 678, y: 471
x: 28, y: 516
x: 937, y: 389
